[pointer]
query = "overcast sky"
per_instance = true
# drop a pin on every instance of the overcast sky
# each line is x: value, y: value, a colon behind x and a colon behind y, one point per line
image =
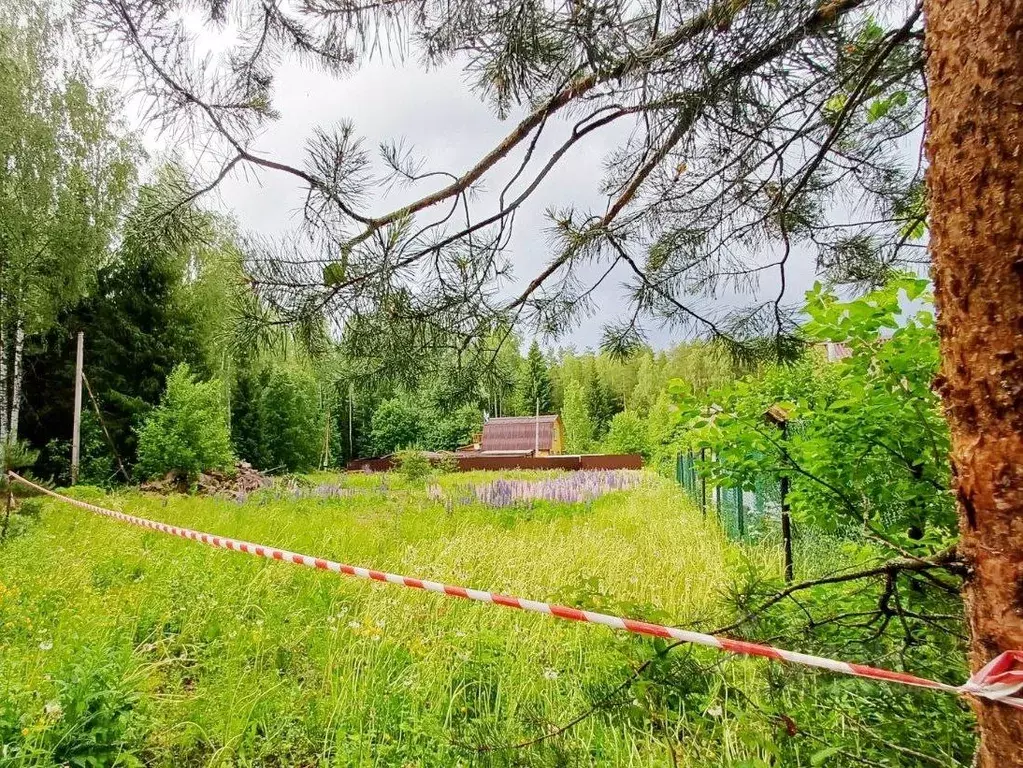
x: 437, y: 114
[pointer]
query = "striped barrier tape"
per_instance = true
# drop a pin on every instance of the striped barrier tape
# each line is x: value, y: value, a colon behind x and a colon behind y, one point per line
x: 1000, y: 680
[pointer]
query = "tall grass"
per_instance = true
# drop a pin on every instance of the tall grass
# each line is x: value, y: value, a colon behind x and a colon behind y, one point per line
x: 124, y: 646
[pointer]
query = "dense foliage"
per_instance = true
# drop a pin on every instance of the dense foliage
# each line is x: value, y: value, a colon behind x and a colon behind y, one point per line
x: 865, y: 445
x: 276, y: 418
x: 67, y: 168
x: 187, y: 433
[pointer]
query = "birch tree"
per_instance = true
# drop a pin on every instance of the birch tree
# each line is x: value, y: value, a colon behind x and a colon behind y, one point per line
x: 66, y: 171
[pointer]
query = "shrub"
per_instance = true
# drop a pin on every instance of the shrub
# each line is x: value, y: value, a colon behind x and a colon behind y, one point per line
x: 397, y: 424
x: 95, y: 460
x: 628, y: 434
x: 16, y: 455
x: 448, y: 464
x: 446, y: 433
x: 187, y: 433
x: 413, y: 465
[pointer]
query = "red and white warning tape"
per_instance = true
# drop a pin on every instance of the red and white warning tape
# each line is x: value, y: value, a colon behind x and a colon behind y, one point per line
x: 1000, y: 680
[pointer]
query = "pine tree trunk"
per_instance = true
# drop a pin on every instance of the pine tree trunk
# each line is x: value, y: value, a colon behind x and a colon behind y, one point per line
x: 17, y: 374
x: 975, y: 147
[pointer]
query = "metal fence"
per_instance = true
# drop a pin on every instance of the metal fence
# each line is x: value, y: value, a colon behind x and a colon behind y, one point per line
x: 745, y: 509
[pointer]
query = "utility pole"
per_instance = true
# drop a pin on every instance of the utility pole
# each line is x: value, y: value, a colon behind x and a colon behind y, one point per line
x: 536, y: 444
x: 76, y: 429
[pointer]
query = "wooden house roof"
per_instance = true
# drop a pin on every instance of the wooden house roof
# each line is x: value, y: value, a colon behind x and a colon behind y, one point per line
x: 519, y: 433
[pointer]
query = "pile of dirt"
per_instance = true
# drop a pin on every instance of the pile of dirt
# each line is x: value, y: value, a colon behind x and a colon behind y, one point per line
x: 240, y: 481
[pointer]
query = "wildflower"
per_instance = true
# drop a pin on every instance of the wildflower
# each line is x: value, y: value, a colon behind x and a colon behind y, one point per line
x: 53, y: 710
x: 354, y: 624
x: 46, y: 645
x: 550, y: 673
x: 714, y: 711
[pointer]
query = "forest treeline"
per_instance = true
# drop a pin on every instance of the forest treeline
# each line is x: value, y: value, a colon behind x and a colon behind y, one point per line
x: 99, y: 238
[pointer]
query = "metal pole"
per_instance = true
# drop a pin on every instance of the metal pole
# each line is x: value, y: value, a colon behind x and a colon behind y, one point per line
x: 76, y: 429
x: 351, y: 445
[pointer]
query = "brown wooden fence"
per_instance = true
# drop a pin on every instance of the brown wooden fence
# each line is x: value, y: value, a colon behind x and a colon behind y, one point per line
x: 468, y: 462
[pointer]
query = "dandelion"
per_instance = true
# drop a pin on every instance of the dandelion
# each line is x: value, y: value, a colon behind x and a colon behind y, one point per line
x: 46, y: 645
x: 550, y: 673
x: 354, y: 624
x: 52, y: 709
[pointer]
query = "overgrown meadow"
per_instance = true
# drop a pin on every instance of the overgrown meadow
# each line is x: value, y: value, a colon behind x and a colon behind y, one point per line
x: 120, y: 646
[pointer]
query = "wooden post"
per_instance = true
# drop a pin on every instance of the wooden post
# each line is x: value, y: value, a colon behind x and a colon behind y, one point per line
x: 536, y: 444
x: 779, y: 417
x: 786, y: 517
x: 76, y: 429
x: 703, y: 485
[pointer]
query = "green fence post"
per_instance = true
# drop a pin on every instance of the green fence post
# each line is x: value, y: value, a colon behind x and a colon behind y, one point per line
x: 740, y: 513
x: 703, y: 484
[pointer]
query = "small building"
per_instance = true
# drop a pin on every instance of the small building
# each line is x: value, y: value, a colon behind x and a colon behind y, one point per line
x: 543, y: 435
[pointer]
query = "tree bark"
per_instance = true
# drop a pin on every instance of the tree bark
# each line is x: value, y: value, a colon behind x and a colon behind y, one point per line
x: 975, y: 185
x: 3, y: 381
x: 17, y: 375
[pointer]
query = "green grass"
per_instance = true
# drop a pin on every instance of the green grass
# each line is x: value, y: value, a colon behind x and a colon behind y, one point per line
x: 119, y: 645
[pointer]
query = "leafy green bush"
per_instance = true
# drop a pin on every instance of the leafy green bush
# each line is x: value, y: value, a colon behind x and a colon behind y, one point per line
x: 397, y: 424
x: 448, y: 464
x: 627, y: 434
x: 865, y: 445
x: 449, y: 432
x: 414, y: 466
x: 96, y: 463
x: 187, y: 433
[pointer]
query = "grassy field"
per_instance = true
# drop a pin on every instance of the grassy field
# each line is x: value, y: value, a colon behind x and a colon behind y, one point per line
x: 119, y: 645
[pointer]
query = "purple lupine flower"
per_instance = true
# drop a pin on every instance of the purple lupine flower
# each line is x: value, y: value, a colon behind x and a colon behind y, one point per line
x: 575, y: 487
